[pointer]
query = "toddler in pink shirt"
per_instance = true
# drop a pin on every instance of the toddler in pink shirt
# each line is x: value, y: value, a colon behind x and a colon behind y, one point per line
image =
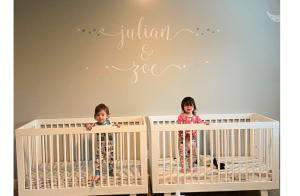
x: 188, y: 116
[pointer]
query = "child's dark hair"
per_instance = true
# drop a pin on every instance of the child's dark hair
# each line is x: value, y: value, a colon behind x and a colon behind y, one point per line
x: 189, y: 101
x: 100, y: 107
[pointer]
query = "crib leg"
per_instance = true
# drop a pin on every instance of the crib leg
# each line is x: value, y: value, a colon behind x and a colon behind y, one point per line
x: 264, y: 193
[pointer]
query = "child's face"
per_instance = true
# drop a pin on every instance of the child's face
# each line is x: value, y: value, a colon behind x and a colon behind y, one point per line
x: 188, y: 109
x: 102, y: 117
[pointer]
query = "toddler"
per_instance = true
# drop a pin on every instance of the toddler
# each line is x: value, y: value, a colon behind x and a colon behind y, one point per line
x: 188, y: 116
x: 102, y: 115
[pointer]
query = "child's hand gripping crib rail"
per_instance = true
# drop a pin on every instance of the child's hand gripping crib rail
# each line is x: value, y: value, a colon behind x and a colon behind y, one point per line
x: 248, y: 145
x: 57, y: 157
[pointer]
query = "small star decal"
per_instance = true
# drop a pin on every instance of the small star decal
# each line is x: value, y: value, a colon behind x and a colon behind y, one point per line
x: 208, y: 29
x: 94, y: 29
x: 213, y: 31
x: 218, y: 30
x: 83, y: 30
x: 89, y: 32
x: 106, y: 67
x: 197, y: 34
x: 202, y: 33
x: 197, y: 28
x: 98, y: 34
x: 187, y: 61
x: 183, y: 66
x: 196, y: 65
x: 107, y: 72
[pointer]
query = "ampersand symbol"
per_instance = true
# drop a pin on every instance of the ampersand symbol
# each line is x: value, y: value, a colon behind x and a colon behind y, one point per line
x: 145, y: 53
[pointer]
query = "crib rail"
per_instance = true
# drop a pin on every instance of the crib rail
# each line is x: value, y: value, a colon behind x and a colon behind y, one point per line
x: 248, y: 144
x: 58, y: 159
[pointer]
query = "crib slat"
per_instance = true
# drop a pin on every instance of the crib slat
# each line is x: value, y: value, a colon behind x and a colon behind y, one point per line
x: 221, y: 143
x: 121, y: 150
x: 211, y: 154
x: 225, y: 145
x: 114, y: 154
x: 198, y: 148
x: 93, y: 155
x: 65, y: 159
x: 76, y: 143
x: 191, y: 156
x: 107, y: 168
x: 118, y: 147
x: 128, y: 157
x: 25, y: 151
x: 259, y: 154
x: 57, y: 149
x: 86, y: 162
x: 71, y: 157
x: 43, y: 146
x: 246, y: 154
x: 239, y: 151
x: 88, y: 144
x: 123, y: 142
x: 178, y: 157
x: 81, y: 144
x: 267, y: 156
x: 262, y: 145
x: 164, y: 157
x: 29, y: 161
x: 36, y: 163
x: 218, y: 151
x: 51, y: 155
x: 100, y: 158
x: 184, y: 163
x: 253, y: 153
x: 135, y: 158
x: 204, y: 148
x: 170, y: 151
x: 46, y: 146
x: 79, y: 161
x: 232, y: 152
x: 271, y: 150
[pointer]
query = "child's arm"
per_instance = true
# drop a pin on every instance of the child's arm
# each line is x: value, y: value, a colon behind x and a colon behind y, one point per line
x: 117, y: 125
x: 199, y: 121
x: 89, y: 126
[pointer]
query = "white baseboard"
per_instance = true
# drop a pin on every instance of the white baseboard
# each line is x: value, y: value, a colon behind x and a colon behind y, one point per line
x: 15, y: 184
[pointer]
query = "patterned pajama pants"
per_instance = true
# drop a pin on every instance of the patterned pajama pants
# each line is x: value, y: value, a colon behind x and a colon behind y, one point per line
x: 106, y: 153
x: 188, y: 150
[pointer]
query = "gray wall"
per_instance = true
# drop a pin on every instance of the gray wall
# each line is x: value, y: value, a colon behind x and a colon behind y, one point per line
x: 60, y: 71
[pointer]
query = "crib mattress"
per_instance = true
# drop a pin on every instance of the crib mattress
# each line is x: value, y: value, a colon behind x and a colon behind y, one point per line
x: 212, y: 173
x: 91, y: 173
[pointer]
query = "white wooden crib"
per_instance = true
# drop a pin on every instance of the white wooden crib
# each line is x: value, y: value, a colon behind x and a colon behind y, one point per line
x: 57, y: 157
x: 248, y: 144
